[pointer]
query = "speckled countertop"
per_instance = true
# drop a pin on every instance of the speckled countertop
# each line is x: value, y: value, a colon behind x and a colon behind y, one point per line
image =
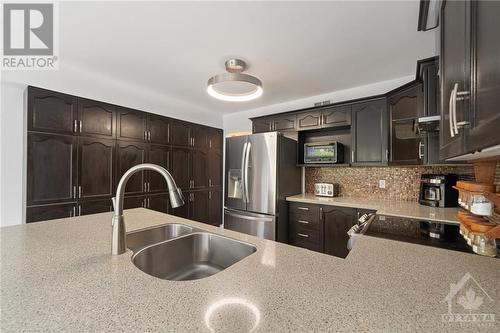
x: 407, y: 209
x: 60, y: 276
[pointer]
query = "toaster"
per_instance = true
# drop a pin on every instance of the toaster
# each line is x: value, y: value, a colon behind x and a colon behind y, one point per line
x: 326, y: 189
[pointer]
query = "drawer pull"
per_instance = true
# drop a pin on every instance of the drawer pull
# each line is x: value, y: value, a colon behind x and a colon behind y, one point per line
x: 302, y: 208
x: 303, y: 222
x: 303, y: 235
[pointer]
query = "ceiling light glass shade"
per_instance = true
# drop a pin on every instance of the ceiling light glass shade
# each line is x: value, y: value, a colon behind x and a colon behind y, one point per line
x: 234, y: 86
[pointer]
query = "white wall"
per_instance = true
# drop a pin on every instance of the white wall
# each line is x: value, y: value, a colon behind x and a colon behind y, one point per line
x: 76, y: 81
x: 239, y: 122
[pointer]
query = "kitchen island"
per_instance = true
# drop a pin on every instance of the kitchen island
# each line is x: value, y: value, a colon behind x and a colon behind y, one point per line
x: 59, y: 276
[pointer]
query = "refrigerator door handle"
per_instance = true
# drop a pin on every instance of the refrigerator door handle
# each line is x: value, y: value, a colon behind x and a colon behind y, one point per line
x: 243, y: 155
x: 249, y: 217
x: 245, y: 166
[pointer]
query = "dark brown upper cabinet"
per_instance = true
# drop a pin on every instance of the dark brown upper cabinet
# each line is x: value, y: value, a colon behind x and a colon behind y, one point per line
x: 50, y: 111
x: 181, y: 167
x: 51, y: 168
x: 485, y: 122
x: 215, y: 139
x: 199, y: 169
x: 199, y: 137
x: 128, y: 155
x: 455, y: 77
x: 132, y: 125
x: 214, y: 168
x: 405, y: 106
x: 284, y: 123
x: 158, y: 129
x: 180, y: 133
x: 96, y: 119
x: 262, y: 125
x: 369, y: 133
x: 336, y: 116
x: 309, y: 120
x: 96, y: 168
x: 159, y: 155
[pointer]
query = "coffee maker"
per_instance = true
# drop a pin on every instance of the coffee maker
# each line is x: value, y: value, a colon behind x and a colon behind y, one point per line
x: 438, y: 191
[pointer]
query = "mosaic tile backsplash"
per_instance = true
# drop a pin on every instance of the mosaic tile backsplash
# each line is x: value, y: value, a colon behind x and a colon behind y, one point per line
x: 401, y: 183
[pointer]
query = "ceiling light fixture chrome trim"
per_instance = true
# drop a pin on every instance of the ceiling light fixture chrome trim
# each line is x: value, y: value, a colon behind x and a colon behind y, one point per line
x: 234, y: 68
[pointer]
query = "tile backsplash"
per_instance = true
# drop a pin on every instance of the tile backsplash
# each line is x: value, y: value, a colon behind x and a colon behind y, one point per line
x: 401, y: 183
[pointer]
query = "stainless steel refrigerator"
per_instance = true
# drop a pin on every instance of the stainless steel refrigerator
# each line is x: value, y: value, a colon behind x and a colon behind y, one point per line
x: 261, y: 171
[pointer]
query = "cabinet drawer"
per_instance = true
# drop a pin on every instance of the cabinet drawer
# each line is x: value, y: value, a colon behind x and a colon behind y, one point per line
x: 304, y: 223
x: 306, y: 212
x: 307, y: 239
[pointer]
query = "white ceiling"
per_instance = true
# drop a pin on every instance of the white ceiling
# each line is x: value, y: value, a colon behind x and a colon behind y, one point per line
x: 298, y: 49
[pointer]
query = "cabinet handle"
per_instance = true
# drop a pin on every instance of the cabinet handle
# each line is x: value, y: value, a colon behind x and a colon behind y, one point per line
x: 168, y: 133
x: 149, y: 206
x: 145, y: 189
x: 80, y: 125
x: 149, y: 188
x: 144, y: 202
x: 420, y: 152
x: 321, y: 213
x: 74, y: 212
x: 209, y: 195
x: 145, y: 136
x: 209, y: 182
x: 74, y: 192
x: 302, y: 208
x: 149, y: 135
x: 209, y: 143
x: 75, y: 126
x: 352, y: 155
x: 303, y: 222
x: 450, y: 112
x: 79, y: 191
x: 79, y: 210
x: 303, y: 235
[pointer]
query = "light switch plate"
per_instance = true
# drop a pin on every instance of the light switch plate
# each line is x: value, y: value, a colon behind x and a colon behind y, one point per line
x: 381, y: 183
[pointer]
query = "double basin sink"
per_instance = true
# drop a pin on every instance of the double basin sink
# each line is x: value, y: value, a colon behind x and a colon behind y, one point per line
x: 179, y: 252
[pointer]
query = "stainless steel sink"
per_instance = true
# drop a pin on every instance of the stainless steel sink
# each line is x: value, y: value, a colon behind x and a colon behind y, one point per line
x: 191, y: 257
x: 139, y: 239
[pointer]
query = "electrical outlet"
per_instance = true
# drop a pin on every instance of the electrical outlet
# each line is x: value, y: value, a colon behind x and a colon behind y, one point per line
x: 381, y: 183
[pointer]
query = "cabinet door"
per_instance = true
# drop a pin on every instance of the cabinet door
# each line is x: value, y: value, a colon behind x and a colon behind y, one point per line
x: 88, y: 207
x: 128, y: 155
x: 137, y: 201
x: 158, y: 129
x: 454, y: 69
x: 199, y: 206
x: 131, y: 125
x: 214, y: 168
x: 215, y: 207
x: 180, y: 133
x: 262, y: 125
x: 406, y: 147
x: 159, y: 155
x: 337, y: 221
x: 336, y: 116
x: 180, y: 166
x: 285, y: 123
x: 407, y: 103
x: 96, y: 118
x: 370, y: 133
x: 95, y: 168
x: 199, y: 169
x: 50, y: 212
x: 50, y: 111
x: 199, y: 137
x: 486, y: 121
x: 51, y: 168
x: 215, y: 139
x: 309, y: 120
x: 158, y: 202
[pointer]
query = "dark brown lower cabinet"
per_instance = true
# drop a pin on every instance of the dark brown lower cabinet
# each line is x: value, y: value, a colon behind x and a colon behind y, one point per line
x: 50, y: 212
x: 203, y: 206
x: 95, y: 206
x: 159, y: 203
x: 215, y: 207
x: 337, y: 221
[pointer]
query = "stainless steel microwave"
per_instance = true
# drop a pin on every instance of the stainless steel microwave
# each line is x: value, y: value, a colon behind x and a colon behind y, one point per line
x: 324, y: 152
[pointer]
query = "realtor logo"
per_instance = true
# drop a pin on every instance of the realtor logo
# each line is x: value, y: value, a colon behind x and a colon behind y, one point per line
x: 29, y: 36
x: 466, y: 300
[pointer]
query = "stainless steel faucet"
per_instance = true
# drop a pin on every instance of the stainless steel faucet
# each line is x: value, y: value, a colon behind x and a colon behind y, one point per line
x: 118, y: 245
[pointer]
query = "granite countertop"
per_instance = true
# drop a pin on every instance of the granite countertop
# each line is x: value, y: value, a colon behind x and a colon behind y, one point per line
x: 407, y: 209
x: 59, y: 276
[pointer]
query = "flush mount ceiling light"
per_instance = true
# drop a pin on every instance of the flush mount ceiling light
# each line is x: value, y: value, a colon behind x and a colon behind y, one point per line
x: 234, y: 86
